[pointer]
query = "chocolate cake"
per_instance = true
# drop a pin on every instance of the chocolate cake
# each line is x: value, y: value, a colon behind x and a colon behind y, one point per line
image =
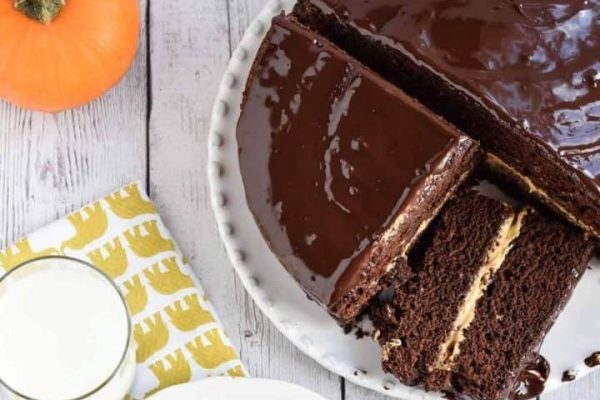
x: 489, y: 282
x: 522, y: 77
x: 342, y: 170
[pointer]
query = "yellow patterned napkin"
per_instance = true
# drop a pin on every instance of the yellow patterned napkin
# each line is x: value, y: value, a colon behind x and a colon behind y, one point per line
x: 178, y: 336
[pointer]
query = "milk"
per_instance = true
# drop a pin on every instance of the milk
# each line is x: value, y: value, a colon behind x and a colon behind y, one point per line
x: 64, y: 330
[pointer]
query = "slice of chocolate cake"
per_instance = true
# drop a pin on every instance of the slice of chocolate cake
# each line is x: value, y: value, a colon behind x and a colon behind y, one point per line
x: 453, y: 264
x: 342, y: 170
x: 522, y: 77
x: 521, y: 304
x: 489, y: 282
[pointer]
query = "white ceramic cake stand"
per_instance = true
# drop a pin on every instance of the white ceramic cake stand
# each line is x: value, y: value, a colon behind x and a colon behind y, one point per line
x: 573, y: 338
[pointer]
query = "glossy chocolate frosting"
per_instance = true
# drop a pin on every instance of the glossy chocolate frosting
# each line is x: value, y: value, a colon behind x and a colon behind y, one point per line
x: 534, y: 64
x: 330, y: 155
x: 532, y: 380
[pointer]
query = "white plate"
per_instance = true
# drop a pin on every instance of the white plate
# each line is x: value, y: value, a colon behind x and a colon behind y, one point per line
x: 236, y: 389
x: 573, y: 338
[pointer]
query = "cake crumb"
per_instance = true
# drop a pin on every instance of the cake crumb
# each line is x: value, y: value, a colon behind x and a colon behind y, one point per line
x: 376, y: 334
x: 569, y: 375
x: 593, y: 360
x: 360, y: 333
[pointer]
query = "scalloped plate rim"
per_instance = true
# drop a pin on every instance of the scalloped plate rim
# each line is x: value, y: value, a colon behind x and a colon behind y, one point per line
x: 227, y: 208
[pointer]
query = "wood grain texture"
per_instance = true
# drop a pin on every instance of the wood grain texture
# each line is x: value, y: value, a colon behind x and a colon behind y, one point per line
x: 587, y: 388
x: 51, y: 164
x: 190, y: 47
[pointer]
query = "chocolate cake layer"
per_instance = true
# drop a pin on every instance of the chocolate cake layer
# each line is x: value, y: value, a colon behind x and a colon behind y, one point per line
x: 342, y: 170
x: 424, y: 311
x: 490, y: 281
x: 520, y: 306
x: 523, y: 77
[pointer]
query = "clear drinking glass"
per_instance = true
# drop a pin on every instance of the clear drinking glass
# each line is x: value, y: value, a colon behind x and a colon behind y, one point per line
x: 65, y: 333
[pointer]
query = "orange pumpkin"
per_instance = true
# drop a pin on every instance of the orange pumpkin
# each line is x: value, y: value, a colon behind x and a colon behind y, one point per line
x: 60, y: 54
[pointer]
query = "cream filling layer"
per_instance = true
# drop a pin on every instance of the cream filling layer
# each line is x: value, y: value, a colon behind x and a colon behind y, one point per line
x: 401, y: 219
x: 497, y: 163
x: 394, y: 229
x: 406, y: 246
x: 388, y: 347
x: 450, y: 349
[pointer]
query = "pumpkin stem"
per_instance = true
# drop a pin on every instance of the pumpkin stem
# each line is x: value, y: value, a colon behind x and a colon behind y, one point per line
x: 44, y: 11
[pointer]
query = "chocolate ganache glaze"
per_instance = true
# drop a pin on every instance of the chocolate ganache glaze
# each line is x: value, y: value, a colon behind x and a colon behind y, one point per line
x: 534, y: 65
x: 335, y: 161
x: 535, y: 62
x: 532, y: 379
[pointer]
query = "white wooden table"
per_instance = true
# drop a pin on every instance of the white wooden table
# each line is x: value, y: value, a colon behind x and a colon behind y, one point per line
x: 153, y: 126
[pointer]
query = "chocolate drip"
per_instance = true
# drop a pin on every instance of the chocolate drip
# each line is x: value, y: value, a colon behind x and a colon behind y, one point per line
x: 532, y: 379
x: 593, y: 360
x: 449, y: 395
x: 569, y: 375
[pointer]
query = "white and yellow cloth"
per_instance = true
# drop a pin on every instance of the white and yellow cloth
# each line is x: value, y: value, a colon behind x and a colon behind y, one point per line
x: 178, y: 336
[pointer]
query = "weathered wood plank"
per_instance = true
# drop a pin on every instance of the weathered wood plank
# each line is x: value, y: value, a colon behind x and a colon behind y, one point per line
x: 51, y: 164
x: 190, y: 47
x: 354, y: 392
x: 587, y: 388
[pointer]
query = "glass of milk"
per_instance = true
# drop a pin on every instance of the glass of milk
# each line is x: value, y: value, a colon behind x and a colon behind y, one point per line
x: 65, y: 333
